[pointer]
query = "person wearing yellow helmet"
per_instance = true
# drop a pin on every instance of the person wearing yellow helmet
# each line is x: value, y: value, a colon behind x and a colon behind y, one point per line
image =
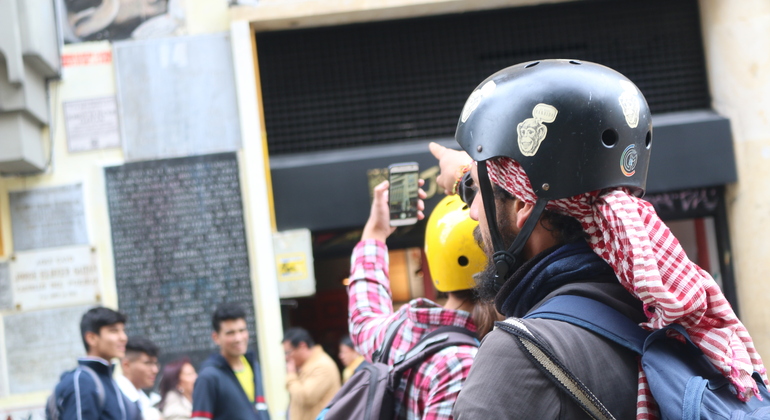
x: 455, y: 257
x: 430, y: 389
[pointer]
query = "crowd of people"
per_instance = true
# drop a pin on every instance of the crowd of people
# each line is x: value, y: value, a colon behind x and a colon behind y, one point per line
x: 543, y: 201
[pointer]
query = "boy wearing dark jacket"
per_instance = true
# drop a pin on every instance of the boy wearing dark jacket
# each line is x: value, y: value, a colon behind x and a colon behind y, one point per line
x: 229, y: 386
x: 89, y: 392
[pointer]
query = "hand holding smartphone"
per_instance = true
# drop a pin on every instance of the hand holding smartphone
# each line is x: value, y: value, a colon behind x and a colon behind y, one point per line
x: 402, y: 194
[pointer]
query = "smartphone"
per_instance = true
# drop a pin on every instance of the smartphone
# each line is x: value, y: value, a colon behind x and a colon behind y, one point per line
x: 402, y: 195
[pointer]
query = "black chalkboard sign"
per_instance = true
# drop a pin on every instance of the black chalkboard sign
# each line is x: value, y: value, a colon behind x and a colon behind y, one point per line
x: 179, y: 246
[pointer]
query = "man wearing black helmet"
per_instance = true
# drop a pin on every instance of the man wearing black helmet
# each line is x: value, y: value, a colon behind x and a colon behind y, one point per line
x: 560, y: 151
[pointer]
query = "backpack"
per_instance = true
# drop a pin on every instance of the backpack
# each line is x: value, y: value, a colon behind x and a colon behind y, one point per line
x: 53, y: 404
x: 369, y: 393
x: 684, y: 384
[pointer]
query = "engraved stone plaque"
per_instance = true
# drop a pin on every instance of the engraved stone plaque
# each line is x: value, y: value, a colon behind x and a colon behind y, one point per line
x: 177, y: 96
x: 91, y: 124
x: 40, y: 345
x: 55, y: 277
x: 6, y: 296
x: 48, y: 217
x: 180, y: 248
x: 3, y: 371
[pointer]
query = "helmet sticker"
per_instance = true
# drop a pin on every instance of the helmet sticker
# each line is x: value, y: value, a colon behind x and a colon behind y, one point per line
x: 629, y: 101
x: 532, y: 132
x: 475, y: 99
x: 628, y: 160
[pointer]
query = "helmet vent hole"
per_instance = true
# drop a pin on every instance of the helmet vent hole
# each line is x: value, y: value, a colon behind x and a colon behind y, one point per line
x: 577, y: 63
x: 463, y: 261
x: 648, y: 139
x: 465, y: 207
x: 609, y: 137
x: 531, y: 64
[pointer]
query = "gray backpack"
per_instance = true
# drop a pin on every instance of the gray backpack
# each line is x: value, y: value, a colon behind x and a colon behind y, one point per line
x: 369, y: 393
x: 54, y: 402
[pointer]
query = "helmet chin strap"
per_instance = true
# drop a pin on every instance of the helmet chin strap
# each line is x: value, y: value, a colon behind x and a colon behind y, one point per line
x: 506, y: 261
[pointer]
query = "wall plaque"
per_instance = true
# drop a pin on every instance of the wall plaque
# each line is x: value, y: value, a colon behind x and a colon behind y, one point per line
x: 40, y: 345
x: 6, y: 296
x: 48, y: 217
x: 55, y: 277
x: 91, y: 124
x: 294, y: 263
x: 176, y: 96
x: 3, y: 364
x: 180, y: 248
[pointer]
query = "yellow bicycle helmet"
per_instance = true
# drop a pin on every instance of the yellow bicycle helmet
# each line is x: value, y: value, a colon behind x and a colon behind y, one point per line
x: 452, y: 252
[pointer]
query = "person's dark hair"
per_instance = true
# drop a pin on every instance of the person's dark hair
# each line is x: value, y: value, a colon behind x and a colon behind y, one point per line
x: 483, y: 314
x: 169, y: 380
x: 566, y: 229
x: 226, y: 312
x: 96, y: 318
x: 296, y: 335
x: 346, y: 341
x: 136, y: 345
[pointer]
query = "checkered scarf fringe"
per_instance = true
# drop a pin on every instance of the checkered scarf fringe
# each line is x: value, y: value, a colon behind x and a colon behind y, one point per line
x: 649, y: 262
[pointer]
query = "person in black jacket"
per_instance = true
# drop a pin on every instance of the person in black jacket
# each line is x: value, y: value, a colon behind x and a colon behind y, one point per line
x: 229, y: 386
x: 89, y: 392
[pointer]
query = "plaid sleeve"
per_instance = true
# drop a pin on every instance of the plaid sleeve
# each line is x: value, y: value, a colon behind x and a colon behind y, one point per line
x: 370, y: 304
x: 441, y: 378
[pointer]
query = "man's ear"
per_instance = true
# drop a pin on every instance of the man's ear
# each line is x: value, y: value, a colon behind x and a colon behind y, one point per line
x: 91, y: 338
x: 523, y: 211
x: 215, y: 337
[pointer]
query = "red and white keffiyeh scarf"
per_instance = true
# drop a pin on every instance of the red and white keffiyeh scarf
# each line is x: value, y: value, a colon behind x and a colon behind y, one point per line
x: 626, y: 232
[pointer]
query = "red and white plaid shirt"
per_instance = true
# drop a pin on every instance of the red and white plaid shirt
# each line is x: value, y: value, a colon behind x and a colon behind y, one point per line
x: 432, y: 390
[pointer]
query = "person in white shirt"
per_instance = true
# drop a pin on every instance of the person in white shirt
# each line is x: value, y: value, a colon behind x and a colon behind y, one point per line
x: 140, y: 367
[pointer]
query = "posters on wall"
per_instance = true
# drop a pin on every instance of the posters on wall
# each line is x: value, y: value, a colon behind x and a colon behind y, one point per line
x: 48, y: 217
x: 96, y: 20
x: 55, y: 277
x: 91, y: 124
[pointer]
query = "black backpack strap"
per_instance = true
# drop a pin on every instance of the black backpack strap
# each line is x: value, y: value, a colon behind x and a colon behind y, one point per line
x: 381, y: 354
x: 429, y: 344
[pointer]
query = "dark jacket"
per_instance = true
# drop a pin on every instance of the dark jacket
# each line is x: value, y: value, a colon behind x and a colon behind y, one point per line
x: 219, y: 396
x: 79, y: 398
x: 505, y: 384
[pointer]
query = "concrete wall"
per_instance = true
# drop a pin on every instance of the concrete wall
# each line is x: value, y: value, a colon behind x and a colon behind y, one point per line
x: 736, y: 37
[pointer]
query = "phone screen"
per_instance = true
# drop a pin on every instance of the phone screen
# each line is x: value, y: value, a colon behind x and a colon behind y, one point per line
x: 403, y: 194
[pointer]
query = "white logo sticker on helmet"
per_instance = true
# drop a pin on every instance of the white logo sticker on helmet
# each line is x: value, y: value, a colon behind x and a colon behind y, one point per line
x: 629, y: 101
x: 475, y: 99
x: 532, y: 132
x: 628, y: 160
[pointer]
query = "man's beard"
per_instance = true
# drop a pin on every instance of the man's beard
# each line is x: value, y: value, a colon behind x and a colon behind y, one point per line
x: 486, y: 287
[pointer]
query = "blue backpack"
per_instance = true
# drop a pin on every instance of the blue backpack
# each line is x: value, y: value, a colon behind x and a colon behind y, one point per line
x: 683, y: 382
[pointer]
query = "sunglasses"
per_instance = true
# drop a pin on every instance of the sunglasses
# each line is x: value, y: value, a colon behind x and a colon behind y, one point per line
x: 465, y: 189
